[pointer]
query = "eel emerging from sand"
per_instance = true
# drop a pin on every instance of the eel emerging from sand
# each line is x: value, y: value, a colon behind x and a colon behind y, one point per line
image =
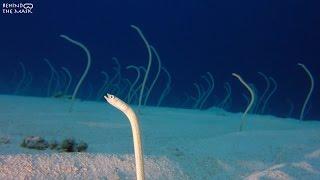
x: 134, y: 122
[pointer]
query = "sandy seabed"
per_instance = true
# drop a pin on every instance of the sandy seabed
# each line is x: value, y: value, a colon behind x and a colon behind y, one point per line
x: 178, y: 143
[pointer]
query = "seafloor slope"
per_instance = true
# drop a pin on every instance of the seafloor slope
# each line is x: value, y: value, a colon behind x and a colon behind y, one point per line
x: 178, y: 143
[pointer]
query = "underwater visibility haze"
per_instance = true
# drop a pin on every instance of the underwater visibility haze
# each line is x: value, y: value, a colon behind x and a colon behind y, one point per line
x: 193, y: 89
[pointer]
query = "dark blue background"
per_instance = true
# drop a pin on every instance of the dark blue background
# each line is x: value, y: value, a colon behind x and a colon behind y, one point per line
x: 192, y: 37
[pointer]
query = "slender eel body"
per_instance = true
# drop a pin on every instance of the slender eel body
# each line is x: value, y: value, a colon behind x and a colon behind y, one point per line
x: 251, y: 101
x: 310, y: 91
x: 134, y: 122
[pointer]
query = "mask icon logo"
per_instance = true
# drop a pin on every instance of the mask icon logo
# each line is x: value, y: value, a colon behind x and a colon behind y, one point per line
x: 28, y: 6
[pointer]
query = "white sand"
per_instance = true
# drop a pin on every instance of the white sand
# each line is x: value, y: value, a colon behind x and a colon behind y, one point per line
x: 83, y: 166
x: 178, y: 144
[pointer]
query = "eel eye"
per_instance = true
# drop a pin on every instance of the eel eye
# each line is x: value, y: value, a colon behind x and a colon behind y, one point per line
x: 110, y: 96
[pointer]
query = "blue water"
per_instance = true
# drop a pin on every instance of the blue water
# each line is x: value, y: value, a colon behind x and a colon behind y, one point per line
x: 192, y: 37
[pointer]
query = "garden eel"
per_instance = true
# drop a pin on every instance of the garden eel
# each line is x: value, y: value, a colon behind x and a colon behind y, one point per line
x: 134, y: 122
